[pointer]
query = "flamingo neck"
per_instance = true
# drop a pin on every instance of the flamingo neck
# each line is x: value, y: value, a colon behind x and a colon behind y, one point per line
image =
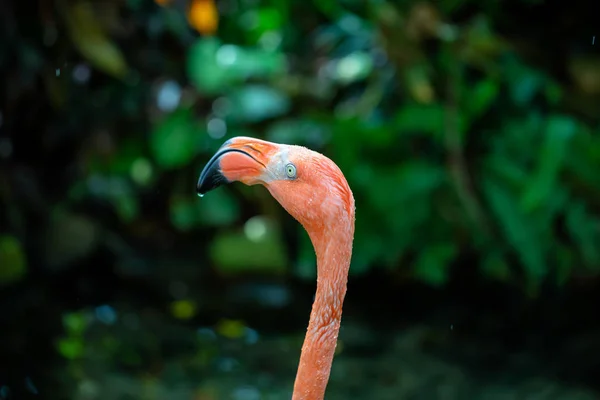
x: 333, y: 248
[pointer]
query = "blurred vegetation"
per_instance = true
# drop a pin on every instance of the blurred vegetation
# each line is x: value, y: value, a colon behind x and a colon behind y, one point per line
x: 451, y: 141
x: 465, y: 129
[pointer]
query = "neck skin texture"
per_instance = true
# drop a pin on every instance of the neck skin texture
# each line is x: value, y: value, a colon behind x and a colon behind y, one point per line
x: 333, y: 247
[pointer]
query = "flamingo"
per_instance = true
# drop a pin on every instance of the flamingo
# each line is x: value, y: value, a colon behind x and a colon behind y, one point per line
x: 313, y: 190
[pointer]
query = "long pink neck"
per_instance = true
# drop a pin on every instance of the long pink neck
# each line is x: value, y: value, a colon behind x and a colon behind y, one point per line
x: 334, y: 250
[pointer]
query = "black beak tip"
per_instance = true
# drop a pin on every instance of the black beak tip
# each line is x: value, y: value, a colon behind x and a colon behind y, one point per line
x: 205, y: 187
x: 209, y: 182
x: 210, y: 178
x: 200, y: 189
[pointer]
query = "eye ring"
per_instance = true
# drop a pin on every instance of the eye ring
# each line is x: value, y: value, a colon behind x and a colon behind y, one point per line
x: 290, y: 171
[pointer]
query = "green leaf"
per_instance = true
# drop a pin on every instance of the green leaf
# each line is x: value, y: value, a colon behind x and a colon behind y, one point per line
x: 268, y: 19
x: 412, y: 182
x: 261, y: 21
x: 433, y: 261
x: 585, y: 231
x: 583, y: 160
x: 393, y: 191
x: 253, y: 103
x: 204, y: 70
x: 424, y: 119
x: 174, y: 140
x: 560, y: 129
x: 213, y: 67
x: 550, y: 209
x: 507, y: 169
x: 13, y: 262
x: 482, y: 96
x: 91, y: 40
x: 71, y: 348
x: 519, y: 231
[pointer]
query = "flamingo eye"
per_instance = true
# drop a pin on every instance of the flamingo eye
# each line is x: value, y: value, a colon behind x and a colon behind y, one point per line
x: 290, y: 171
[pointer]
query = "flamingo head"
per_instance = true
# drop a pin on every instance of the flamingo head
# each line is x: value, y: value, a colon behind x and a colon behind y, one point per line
x: 307, y: 184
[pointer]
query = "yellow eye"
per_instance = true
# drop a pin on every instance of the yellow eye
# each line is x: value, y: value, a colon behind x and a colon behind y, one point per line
x: 290, y: 170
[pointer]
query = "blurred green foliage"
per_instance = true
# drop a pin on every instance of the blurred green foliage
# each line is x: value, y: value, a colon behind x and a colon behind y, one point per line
x: 452, y: 142
x: 12, y: 260
x: 72, y: 346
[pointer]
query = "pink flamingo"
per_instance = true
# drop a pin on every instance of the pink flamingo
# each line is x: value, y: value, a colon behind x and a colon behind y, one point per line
x: 314, y: 191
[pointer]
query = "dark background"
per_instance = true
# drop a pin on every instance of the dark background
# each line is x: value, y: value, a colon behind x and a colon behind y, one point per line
x: 469, y: 134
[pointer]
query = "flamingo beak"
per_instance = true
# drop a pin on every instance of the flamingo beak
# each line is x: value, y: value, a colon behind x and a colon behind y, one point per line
x: 239, y: 159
